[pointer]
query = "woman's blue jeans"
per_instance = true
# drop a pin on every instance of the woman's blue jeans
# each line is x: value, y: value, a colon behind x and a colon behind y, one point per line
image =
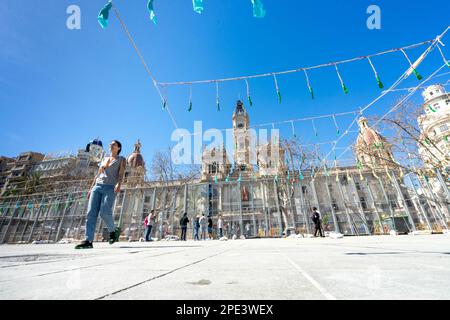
x: 101, y: 201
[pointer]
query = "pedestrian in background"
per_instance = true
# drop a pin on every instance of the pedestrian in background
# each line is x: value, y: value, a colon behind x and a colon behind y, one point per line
x: 203, y: 223
x: 210, y: 228
x: 183, y: 223
x: 317, y: 219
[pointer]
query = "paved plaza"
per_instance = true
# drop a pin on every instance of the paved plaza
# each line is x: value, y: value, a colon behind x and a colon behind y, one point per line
x: 372, y: 267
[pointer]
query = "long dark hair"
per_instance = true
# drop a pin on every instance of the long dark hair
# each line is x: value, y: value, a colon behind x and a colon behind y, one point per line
x: 119, y: 145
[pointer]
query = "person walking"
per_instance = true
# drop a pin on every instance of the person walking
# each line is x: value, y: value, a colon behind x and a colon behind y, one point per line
x: 149, y: 220
x: 102, y: 194
x: 317, y: 219
x: 196, y: 227
x: 183, y: 223
x: 203, y: 223
x: 220, y: 226
x: 210, y: 228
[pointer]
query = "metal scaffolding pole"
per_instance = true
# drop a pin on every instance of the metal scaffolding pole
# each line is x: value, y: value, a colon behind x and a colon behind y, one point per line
x: 9, y: 223
x: 133, y: 196
x: 359, y: 203
x: 19, y: 220
x: 397, y: 186
x: 264, y: 197
x: 121, y: 209
x: 347, y: 212
x: 62, y: 219
x: 36, y: 220
x: 253, y: 207
x: 280, y: 219
x: 303, y: 209
x: 185, y: 198
x: 26, y: 223
x: 337, y: 229
x: 422, y: 210
x: 73, y: 215
x: 372, y: 198
x: 175, y: 195
x: 290, y: 203
x: 388, y: 203
x: 83, y: 216
x: 140, y: 214
x: 441, y: 216
x: 241, y: 222
x: 446, y: 191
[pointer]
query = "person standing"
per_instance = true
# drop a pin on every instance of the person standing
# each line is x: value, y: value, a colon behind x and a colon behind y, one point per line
x: 210, y: 228
x: 220, y: 226
x: 183, y: 223
x: 203, y: 223
x: 196, y: 227
x: 149, y: 225
x: 317, y: 219
x: 102, y: 194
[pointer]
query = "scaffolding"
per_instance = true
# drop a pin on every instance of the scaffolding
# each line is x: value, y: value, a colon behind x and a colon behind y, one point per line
x: 351, y: 202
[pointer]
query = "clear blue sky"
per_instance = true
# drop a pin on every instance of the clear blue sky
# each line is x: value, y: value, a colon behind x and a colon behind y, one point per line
x: 60, y: 88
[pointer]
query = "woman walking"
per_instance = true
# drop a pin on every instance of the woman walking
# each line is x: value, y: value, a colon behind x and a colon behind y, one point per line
x: 102, y: 194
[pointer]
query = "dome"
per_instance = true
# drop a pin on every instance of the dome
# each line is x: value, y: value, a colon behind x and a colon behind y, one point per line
x: 95, y: 142
x: 136, y: 159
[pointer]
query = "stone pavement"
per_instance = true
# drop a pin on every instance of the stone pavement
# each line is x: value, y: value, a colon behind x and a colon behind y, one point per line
x: 373, y: 267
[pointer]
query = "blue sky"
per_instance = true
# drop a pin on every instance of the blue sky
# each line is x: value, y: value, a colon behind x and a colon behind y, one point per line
x: 60, y: 88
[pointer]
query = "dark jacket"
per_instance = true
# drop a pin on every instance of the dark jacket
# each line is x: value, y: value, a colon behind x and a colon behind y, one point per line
x: 184, y: 221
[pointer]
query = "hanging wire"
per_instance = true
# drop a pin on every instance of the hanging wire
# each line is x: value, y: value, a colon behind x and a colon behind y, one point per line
x: 314, y: 128
x: 309, y: 84
x: 277, y: 88
x: 380, y: 84
x: 344, y: 88
x: 447, y: 62
x: 336, y: 125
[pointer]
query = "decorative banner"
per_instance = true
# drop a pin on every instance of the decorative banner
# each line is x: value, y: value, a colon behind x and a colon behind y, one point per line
x: 152, y: 12
x: 276, y: 178
x: 104, y: 15
x: 446, y: 139
x: 258, y: 9
x: 359, y: 165
x: 380, y: 84
x: 198, y: 6
x: 309, y: 85
x: 315, y: 130
x: 413, y: 67
x: 227, y: 179
x: 293, y: 129
x: 217, y: 96
x: 240, y: 177
x: 215, y: 179
x: 344, y: 88
x: 190, y: 98
x: 301, y: 175
x: 276, y: 87
x: 164, y: 97
x: 431, y: 108
x: 30, y: 205
x: 336, y: 125
x: 248, y: 93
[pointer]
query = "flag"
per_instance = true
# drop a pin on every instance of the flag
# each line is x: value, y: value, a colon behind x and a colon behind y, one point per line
x: 198, y: 6
x: 104, y: 15
x: 258, y: 9
x: 152, y: 12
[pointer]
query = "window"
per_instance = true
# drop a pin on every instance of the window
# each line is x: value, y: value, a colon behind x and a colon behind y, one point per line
x: 240, y: 125
x: 358, y: 186
x: 304, y: 189
x: 443, y: 128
